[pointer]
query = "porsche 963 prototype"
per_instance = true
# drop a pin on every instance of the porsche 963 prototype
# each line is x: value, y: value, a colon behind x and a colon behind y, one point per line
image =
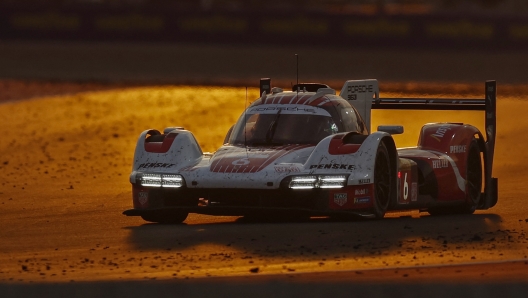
x: 310, y: 152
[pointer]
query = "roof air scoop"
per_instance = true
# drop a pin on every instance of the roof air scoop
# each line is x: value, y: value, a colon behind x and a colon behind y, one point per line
x: 309, y: 87
x: 276, y: 90
x: 326, y: 91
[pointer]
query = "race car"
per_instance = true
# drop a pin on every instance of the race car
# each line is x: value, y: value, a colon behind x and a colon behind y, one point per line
x: 310, y: 152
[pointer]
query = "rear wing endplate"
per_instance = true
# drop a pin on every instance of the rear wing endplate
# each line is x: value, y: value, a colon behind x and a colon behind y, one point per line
x: 487, y: 104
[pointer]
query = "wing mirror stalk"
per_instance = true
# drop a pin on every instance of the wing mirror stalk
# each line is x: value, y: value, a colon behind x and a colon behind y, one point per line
x: 391, y: 129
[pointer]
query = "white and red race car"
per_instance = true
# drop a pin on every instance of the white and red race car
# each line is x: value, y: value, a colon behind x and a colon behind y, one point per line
x: 310, y: 152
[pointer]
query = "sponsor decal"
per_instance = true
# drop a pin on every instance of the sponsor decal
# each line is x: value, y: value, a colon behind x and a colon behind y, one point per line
x: 440, y: 163
x: 335, y: 166
x: 440, y: 132
x: 241, y: 162
x: 142, y: 197
x: 414, y: 191
x: 364, y: 181
x: 457, y: 149
x: 361, y: 192
x: 360, y: 88
x: 284, y: 169
x: 155, y: 165
x: 405, y: 188
x: 362, y: 200
x: 340, y: 199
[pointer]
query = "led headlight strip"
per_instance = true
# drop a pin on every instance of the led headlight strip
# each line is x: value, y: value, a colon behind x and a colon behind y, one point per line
x: 318, y: 181
x: 161, y: 180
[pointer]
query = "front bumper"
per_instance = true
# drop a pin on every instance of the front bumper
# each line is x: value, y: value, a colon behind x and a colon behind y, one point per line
x: 353, y: 199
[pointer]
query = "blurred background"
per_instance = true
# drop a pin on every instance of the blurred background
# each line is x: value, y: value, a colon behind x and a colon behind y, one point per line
x: 331, y: 6
x: 202, y: 41
x: 493, y: 23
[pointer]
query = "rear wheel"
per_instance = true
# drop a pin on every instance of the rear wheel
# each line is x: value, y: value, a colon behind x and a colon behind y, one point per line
x: 473, y: 185
x: 172, y: 218
x: 473, y: 179
x: 382, y: 181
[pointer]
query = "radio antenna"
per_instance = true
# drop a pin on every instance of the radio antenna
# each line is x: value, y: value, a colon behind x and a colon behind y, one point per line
x: 245, y: 120
x: 297, y: 64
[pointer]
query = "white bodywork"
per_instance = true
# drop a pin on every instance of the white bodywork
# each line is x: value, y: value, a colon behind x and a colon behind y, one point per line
x: 265, y: 168
x: 312, y: 152
x: 185, y: 159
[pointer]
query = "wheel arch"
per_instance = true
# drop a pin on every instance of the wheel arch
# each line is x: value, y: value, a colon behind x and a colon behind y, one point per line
x: 176, y: 149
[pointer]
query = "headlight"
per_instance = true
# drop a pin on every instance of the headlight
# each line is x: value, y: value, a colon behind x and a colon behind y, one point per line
x: 171, y: 181
x: 319, y: 181
x: 332, y: 181
x: 303, y: 182
x: 161, y: 180
x: 150, y: 180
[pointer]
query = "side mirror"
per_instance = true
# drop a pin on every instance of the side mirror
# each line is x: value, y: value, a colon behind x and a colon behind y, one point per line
x: 392, y: 129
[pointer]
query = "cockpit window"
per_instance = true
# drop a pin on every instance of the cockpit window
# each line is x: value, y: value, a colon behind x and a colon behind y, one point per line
x: 282, y: 128
x: 352, y: 121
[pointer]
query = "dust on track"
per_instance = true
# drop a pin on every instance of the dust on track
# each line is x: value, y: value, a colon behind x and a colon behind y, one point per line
x: 65, y: 166
x: 65, y: 173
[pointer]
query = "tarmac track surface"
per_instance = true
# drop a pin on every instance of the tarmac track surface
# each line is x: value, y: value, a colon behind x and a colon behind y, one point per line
x: 64, y: 170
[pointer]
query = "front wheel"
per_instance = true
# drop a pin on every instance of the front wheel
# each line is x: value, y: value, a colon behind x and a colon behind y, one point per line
x: 172, y: 218
x: 382, y: 181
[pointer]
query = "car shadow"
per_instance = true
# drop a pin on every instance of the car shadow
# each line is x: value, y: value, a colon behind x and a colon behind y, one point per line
x: 330, y: 238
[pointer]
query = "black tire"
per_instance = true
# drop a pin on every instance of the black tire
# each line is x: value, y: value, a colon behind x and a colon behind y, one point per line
x: 382, y: 182
x: 473, y: 179
x: 473, y: 185
x: 172, y: 218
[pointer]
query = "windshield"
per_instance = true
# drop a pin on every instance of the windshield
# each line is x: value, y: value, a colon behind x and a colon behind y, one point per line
x: 282, y: 128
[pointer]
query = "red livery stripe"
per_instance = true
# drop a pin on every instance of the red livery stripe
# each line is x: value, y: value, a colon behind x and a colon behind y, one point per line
x: 161, y: 147
x: 336, y: 146
x: 240, y: 160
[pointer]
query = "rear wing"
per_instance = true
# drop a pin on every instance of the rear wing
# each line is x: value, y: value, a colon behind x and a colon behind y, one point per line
x: 487, y: 104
